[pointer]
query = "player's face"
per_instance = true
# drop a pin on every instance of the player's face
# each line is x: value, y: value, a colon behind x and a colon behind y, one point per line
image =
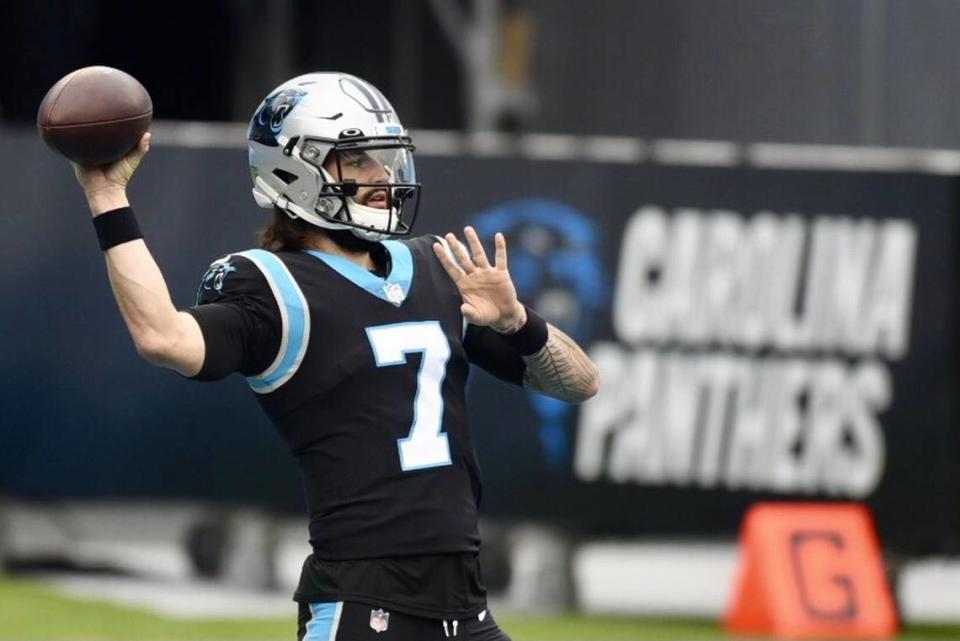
x: 361, y: 167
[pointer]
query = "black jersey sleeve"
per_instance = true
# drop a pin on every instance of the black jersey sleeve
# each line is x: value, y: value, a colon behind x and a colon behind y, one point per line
x: 490, y: 351
x: 239, y: 318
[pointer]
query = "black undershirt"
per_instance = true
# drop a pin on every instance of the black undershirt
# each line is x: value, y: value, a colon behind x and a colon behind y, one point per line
x: 439, y: 586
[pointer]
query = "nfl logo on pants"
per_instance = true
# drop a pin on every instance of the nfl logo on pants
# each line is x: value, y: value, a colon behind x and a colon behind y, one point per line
x: 379, y: 620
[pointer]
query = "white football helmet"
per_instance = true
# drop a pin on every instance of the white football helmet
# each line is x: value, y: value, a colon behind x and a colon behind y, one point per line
x: 333, y: 117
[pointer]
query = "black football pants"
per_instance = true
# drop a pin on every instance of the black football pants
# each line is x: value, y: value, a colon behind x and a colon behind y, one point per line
x: 350, y: 621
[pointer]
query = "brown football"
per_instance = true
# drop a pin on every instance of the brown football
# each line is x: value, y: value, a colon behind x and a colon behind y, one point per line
x: 95, y: 115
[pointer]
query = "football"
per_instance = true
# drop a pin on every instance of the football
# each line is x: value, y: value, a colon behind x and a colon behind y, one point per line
x: 95, y: 115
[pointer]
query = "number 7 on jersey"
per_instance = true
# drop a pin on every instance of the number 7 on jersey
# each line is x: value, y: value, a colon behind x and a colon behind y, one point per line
x: 425, y: 445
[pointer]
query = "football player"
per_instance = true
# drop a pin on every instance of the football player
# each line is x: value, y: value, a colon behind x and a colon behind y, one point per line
x: 356, y: 339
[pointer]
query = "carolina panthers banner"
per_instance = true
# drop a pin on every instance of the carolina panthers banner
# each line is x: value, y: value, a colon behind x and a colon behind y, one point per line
x: 761, y: 334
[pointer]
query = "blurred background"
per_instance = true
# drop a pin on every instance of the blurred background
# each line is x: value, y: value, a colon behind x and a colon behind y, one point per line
x: 744, y: 209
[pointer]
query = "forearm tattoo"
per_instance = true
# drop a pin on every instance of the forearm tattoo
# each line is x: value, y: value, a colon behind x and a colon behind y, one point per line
x: 561, y: 369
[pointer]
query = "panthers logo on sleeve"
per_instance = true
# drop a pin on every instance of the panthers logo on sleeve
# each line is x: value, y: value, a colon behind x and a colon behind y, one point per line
x: 212, y: 281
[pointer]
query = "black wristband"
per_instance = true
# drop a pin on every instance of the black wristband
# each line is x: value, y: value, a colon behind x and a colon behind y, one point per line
x: 116, y: 227
x: 530, y: 338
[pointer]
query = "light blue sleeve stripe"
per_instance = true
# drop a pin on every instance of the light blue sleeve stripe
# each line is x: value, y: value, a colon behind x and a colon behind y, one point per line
x: 295, y: 317
x: 322, y: 623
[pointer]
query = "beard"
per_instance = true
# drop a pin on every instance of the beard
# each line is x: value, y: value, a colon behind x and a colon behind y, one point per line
x: 347, y: 240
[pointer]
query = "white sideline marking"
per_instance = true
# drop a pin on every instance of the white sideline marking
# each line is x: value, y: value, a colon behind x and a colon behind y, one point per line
x: 195, y: 599
x: 929, y: 590
x: 662, y: 578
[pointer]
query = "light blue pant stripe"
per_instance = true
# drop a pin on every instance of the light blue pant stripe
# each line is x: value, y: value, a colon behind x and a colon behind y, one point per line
x: 320, y: 627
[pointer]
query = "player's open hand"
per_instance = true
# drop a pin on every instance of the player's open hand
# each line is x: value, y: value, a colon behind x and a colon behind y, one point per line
x: 115, y: 176
x: 489, y: 297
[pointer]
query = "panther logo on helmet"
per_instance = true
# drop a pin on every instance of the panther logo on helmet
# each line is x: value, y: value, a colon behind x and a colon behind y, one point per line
x: 268, y: 121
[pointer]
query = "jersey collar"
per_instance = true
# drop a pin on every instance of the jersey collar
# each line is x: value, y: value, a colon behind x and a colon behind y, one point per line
x: 392, y: 289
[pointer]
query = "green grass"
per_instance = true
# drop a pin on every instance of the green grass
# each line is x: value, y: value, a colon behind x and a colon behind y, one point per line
x: 579, y: 627
x: 30, y: 611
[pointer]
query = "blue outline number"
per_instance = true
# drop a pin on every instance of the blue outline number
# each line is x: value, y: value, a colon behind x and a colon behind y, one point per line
x: 425, y: 446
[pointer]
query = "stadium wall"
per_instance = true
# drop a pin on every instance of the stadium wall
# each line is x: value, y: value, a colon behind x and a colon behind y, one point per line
x: 771, y: 322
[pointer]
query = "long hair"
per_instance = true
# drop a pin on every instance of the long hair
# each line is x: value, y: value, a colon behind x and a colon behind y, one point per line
x: 285, y: 233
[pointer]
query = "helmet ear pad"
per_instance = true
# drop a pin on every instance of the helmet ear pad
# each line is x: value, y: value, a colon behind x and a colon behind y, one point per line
x: 298, y: 181
x: 296, y: 184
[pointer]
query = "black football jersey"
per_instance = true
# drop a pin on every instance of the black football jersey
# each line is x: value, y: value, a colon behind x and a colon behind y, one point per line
x: 365, y: 378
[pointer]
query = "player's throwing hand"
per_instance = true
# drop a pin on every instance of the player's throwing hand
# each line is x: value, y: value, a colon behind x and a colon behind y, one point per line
x: 489, y: 296
x: 105, y: 186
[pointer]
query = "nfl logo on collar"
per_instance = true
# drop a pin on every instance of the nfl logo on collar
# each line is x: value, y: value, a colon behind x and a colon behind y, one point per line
x: 394, y: 293
x: 379, y: 620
